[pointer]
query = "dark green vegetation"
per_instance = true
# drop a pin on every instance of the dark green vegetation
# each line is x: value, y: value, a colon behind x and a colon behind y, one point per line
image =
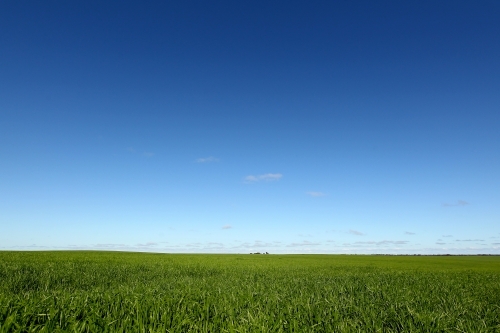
x: 138, y: 292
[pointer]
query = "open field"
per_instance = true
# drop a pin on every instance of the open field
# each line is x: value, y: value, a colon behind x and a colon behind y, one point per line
x: 140, y: 292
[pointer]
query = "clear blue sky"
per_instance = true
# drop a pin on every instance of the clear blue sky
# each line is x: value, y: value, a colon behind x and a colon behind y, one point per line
x: 231, y: 126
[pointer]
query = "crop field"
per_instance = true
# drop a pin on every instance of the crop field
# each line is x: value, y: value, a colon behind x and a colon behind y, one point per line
x: 143, y: 292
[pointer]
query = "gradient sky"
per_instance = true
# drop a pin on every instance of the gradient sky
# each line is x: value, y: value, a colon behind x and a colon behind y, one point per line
x: 231, y: 126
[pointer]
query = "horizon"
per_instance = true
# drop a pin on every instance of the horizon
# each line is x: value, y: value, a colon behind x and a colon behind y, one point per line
x: 292, y: 128
x: 260, y: 253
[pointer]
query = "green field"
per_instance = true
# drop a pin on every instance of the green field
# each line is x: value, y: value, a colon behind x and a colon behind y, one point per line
x: 139, y: 292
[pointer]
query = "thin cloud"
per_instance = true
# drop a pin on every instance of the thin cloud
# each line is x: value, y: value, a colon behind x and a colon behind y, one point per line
x: 265, y: 177
x: 316, y: 194
x: 439, y: 243
x: 409, y: 233
x: 257, y: 244
x: 384, y: 242
x: 211, y: 246
x: 32, y: 246
x: 145, y: 154
x: 459, y: 203
x: 209, y: 159
x: 304, y: 243
x: 148, y: 244
x: 469, y: 240
x: 227, y: 226
x: 111, y: 246
x: 355, y: 232
x: 447, y: 235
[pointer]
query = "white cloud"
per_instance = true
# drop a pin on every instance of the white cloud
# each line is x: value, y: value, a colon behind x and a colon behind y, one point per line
x: 207, y: 159
x: 409, y: 233
x: 316, y: 194
x: 264, y: 177
x: 227, y: 226
x: 355, y: 232
x: 369, y: 247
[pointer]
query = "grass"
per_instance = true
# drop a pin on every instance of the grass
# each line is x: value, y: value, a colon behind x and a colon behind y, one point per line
x: 139, y: 292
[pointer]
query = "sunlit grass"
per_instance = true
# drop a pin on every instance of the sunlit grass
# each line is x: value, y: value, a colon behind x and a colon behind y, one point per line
x: 138, y: 292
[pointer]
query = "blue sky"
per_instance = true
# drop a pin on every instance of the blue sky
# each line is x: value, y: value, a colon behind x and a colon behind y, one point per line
x: 226, y: 126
